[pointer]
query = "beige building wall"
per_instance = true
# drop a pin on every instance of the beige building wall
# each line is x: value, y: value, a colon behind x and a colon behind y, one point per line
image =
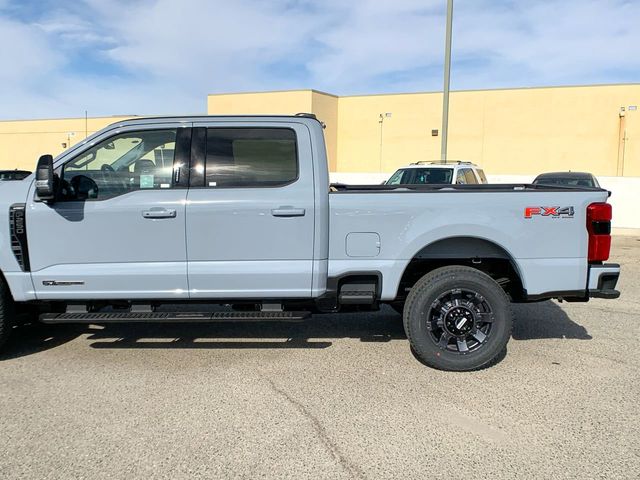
x: 23, y: 141
x: 509, y: 132
x: 261, y: 103
x: 324, y: 105
x: 514, y: 131
x: 518, y: 131
x: 369, y: 143
x: 526, y: 131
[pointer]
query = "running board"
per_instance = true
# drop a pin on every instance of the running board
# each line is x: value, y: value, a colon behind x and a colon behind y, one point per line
x: 173, y: 317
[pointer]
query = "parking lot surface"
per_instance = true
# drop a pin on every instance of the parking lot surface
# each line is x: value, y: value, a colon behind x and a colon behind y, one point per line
x: 333, y: 397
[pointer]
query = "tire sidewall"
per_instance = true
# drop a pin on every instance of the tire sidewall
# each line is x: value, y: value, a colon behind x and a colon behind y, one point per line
x: 418, y: 307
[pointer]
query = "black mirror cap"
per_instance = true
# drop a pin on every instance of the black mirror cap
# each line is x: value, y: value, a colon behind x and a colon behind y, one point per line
x: 44, y: 179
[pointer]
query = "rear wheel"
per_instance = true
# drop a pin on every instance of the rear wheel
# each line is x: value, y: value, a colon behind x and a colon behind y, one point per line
x: 6, y: 313
x: 457, y: 318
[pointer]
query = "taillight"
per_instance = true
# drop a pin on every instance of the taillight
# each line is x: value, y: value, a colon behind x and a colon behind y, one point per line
x: 599, y: 228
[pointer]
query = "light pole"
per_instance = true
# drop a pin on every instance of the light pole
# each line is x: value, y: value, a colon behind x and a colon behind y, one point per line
x: 382, y: 116
x: 447, y: 78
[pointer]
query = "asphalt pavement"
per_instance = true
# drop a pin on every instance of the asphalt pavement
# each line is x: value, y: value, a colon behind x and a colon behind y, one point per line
x: 338, y: 396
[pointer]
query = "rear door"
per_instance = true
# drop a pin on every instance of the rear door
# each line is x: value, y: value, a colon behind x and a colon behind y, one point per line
x: 117, y: 228
x: 250, y: 211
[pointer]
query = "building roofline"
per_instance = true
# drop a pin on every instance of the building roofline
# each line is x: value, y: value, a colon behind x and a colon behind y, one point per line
x: 312, y: 90
x: 598, y: 85
x: 133, y: 117
x: 428, y: 92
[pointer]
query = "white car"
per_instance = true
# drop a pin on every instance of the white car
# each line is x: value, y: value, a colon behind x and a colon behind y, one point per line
x: 434, y: 172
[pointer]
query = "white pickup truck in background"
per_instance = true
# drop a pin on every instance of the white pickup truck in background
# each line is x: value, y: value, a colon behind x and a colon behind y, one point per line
x: 438, y: 173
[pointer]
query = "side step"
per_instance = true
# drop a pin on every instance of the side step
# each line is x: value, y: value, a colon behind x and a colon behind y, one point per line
x: 173, y: 317
x: 361, y: 293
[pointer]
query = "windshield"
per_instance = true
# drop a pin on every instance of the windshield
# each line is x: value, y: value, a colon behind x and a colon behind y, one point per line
x: 568, y: 181
x: 421, y: 176
x: 14, y: 175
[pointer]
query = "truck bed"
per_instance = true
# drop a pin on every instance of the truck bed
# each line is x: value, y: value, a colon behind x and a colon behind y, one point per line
x: 549, y: 252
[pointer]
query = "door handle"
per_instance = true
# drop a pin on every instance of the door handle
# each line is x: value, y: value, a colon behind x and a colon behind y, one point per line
x: 159, y: 213
x: 288, y: 212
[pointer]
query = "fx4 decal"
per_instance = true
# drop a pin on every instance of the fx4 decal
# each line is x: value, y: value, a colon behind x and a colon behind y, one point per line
x: 566, y: 212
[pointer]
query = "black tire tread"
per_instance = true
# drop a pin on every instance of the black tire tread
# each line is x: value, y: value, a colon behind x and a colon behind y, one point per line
x: 424, y: 283
x: 6, y: 312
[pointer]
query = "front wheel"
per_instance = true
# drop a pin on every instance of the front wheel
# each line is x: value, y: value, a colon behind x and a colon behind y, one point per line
x: 457, y: 318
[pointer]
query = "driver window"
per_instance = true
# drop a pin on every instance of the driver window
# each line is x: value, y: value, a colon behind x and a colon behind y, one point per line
x: 121, y: 164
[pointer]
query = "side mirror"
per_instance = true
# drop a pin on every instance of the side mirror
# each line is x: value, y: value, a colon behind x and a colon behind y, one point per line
x: 44, y: 179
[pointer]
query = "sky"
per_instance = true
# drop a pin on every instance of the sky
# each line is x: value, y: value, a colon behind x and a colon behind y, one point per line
x: 109, y: 57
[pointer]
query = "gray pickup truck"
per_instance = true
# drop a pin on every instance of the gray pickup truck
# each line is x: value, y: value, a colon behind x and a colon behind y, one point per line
x: 238, y: 211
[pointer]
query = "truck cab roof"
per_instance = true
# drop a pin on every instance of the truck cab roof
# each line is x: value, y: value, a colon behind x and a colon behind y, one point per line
x: 142, y: 120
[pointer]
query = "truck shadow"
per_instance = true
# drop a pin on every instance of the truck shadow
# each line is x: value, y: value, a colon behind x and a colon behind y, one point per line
x: 533, y: 321
x: 36, y: 338
x: 314, y: 333
x: 545, y: 320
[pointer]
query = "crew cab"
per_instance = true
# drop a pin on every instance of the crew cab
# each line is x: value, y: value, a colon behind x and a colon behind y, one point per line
x: 238, y: 211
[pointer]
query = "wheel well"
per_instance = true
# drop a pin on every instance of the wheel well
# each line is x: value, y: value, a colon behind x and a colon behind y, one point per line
x: 477, y: 253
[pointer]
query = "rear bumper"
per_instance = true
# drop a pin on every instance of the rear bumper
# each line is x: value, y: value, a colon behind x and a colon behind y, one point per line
x: 601, y: 283
x: 602, y: 280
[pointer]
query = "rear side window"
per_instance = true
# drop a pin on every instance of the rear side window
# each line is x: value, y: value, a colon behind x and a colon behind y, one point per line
x: 483, y: 177
x: 469, y: 176
x: 250, y: 157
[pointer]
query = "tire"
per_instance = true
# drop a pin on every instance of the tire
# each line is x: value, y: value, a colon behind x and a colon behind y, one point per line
x: 6, y: 313
x: 457, y: 319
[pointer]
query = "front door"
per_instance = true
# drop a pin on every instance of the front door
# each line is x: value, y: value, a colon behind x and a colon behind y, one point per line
x: 250, y: 211
x: 117, y: 228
